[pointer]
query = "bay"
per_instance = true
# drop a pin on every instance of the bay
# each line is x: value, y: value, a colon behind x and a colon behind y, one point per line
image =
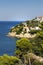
x: 7, y: 44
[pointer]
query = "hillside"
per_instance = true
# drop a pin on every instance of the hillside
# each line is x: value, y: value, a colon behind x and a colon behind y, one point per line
x: 28, y: 51
x: 27, y: 29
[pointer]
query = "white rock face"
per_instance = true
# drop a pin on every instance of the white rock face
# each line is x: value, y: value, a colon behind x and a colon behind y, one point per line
x: 12, y: 34
x: 35, y: 57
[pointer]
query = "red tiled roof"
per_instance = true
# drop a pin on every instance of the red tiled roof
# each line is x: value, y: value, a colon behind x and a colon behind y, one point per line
x: 40, y: 17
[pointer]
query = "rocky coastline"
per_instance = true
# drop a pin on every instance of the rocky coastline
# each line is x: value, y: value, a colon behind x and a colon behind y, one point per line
x: 27, y: 35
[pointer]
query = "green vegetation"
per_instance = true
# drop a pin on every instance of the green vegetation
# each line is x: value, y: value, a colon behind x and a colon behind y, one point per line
x: 41, y: 25
x: 35, y: 45
x: 9, y: 60
x: 25, y: 46
x: 34, y: 31
x: 29, y: 23
x: 32, y: 23
x: 37, y: 63
x: 37, y: 42
x: 18, y: 28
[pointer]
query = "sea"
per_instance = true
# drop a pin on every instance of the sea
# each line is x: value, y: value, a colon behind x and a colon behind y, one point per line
x: 7, y: 44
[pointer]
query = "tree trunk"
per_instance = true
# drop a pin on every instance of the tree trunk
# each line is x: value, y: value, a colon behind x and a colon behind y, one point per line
x: 29, y: 62
x: 24, y: 61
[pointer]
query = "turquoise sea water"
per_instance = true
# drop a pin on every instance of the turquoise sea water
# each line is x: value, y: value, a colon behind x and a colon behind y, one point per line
x: 7, y: 44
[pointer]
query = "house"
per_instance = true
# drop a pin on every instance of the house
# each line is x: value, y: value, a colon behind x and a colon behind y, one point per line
x: 40, y: 18
x: 37, y: 28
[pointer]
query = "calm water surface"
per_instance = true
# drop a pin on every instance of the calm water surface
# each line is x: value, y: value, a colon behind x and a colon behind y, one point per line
x: 7, y: 44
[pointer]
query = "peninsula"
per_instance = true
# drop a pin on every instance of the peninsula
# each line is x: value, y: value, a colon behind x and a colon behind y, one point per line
x: 26, y: 29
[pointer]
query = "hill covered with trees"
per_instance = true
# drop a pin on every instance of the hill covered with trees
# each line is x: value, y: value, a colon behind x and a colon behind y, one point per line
x: 26, y: 29
x: 29, y: 51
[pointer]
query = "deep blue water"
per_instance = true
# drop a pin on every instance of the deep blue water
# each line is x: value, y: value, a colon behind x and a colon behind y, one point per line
x: 7, y: 44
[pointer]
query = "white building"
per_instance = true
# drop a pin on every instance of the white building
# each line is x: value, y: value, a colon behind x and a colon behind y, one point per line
x: 40, y: 18
x: 37, y: 28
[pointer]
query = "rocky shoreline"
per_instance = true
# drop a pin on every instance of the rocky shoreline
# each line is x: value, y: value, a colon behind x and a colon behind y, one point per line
x: 27, y: 35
